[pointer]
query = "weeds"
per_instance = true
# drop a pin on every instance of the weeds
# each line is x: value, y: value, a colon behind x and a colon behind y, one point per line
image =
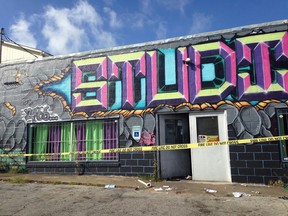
x: 276, y: 183
x: 145, y: 177
x: 281, y: 181
x: 17, y: 170
x: 17, y: 180
x: 12, y: 165
x: 155, y: 170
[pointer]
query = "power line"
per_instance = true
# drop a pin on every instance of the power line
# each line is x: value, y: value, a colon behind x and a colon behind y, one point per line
x: 10, y: 40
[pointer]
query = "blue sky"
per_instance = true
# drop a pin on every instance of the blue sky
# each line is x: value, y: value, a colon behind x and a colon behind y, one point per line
x: 68, y: 26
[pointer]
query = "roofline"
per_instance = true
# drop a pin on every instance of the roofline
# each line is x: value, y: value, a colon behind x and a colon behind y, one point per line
x: 179, y: 40
x: 267, y: 27
x: 26, y: 47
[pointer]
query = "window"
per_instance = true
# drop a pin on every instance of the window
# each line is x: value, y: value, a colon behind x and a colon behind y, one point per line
x: 282, y: 115
x: 77, y: 136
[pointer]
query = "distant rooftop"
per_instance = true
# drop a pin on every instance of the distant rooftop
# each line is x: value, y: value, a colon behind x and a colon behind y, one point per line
x: 12, y: 53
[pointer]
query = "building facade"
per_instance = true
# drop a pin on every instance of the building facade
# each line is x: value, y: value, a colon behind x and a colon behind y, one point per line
x: 224, y: 85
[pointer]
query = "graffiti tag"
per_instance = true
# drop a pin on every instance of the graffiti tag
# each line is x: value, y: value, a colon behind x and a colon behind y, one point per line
x: 38, y: 114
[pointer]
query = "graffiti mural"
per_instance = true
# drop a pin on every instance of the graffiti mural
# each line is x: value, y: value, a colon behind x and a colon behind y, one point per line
x: 39, y: 114
x: 247, y: 76
x: 241, y: 69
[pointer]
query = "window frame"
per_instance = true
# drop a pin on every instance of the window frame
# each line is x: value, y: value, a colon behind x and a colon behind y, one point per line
x: 72, y: 159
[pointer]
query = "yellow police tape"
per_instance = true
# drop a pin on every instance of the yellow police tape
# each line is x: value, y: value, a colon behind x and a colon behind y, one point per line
x: 159, y: 147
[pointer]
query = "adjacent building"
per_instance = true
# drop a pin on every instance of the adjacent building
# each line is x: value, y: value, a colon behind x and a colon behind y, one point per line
x: 224, y: 85
x: 11, y: 53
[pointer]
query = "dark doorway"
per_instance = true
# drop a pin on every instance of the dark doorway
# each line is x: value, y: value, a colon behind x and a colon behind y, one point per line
x: 174, y: 129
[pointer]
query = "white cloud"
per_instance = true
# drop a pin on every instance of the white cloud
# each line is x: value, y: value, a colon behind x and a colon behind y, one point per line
x: 70, y: 30
x: 201, y: 22
x: 62, y: 35
x: 136, y: 20
x: 150, y: 18
x: 174, y: 4
x: 20, y: 33
x: 84, y: 12
x: 114, y: 20
x: 104, y: 39
x: 150, y: 6
x: 161, y: 30
x: 182, y: 5
x: 145, y: 6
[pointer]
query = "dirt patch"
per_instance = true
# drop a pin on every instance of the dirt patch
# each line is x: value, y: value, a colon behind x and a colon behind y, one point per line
x: 215, y: 189
x: 184, y: 198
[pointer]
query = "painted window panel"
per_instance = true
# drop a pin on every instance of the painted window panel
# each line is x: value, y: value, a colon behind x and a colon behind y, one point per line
x: 66, y: 140
x: 54, y: 141
x: 41, y: 137
x: 80, y: 141
x: 110, y: 140
x: 70, y: 137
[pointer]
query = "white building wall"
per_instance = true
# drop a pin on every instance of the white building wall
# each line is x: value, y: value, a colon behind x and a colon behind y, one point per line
x: 13, y: 53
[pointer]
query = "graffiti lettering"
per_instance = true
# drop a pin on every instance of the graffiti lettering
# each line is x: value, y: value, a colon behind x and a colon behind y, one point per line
x: 260, y: 66
x: 38, y: 114
x: 248, y: 67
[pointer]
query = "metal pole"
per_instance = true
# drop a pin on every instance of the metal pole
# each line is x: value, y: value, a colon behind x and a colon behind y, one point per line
x: 1, y: 34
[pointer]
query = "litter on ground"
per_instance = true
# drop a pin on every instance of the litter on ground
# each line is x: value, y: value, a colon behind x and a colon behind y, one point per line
x: 144, y: 183
x: 110, y: 186
x: 210, y: 190
x: 240, y: 194
x: 158, y: 189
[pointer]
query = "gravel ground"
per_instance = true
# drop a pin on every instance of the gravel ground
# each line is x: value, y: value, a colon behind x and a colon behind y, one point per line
x: 132, y: 198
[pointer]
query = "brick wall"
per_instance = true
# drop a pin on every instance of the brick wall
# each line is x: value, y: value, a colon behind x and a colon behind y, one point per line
x: 256, y: 163
x: 129, y: 164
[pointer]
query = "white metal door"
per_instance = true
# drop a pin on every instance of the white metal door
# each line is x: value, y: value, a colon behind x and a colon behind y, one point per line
x: 210, y: 163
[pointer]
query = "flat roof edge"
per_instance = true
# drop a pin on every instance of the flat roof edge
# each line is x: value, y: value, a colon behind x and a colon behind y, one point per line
x: 165, y: 42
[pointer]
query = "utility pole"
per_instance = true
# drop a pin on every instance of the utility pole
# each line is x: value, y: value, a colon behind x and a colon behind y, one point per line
x: 1, y: 34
